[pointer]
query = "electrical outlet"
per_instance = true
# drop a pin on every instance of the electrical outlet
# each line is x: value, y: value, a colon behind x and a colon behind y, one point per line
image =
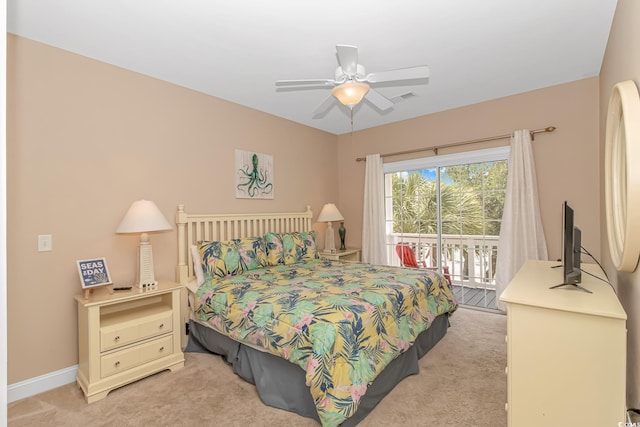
x: 45, y: 242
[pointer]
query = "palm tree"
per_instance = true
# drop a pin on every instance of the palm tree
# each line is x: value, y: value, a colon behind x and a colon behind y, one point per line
x: 471, y: 202
x: 415, y: 206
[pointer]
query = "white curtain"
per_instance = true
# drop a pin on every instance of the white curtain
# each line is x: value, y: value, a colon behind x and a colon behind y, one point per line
x: 521, y: 234
x: 373, y: 226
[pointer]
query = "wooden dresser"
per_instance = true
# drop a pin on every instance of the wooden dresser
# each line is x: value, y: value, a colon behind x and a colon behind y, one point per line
x: 566, y: 350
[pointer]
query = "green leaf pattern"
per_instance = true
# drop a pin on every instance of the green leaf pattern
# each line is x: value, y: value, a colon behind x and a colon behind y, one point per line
x: 343, y: 323
x: 323, y: 336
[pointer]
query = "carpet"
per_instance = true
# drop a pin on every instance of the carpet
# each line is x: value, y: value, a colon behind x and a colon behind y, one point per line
x: 461, y: 382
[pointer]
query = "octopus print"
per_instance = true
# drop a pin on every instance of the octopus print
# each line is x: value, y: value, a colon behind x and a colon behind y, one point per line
x: 255, y: 179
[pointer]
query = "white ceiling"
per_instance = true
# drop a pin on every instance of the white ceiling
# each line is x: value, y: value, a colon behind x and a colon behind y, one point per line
x: 237, y: 49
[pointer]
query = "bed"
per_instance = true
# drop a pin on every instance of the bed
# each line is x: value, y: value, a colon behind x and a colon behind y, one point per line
x: 323, y: 338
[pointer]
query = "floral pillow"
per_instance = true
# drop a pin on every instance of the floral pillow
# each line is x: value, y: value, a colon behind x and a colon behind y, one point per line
x: 233, y: 257
x: 291, y: 248
x: 273, y: 243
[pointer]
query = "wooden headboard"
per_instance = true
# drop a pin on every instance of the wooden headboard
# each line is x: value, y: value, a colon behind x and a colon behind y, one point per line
x: 195, y: 227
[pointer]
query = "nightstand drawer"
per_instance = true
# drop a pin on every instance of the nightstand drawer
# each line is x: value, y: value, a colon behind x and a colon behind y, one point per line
x: 118, y: 335
x: 128, y: 358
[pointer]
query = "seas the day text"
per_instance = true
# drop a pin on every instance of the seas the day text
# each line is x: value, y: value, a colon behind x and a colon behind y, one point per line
x: 91, y: 268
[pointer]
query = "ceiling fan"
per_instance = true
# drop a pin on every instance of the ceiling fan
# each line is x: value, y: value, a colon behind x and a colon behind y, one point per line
x: 351, y: 83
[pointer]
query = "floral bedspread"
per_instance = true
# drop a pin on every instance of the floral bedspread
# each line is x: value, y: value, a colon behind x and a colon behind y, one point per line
x: 343, y: 323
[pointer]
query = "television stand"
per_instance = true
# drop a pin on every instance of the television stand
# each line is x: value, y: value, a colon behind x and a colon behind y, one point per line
x: 575, y: 285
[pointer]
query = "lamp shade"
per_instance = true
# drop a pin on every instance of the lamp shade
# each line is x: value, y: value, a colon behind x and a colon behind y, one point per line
x: 330, y: 213
x: 143, y: 216
x: 350, y: 93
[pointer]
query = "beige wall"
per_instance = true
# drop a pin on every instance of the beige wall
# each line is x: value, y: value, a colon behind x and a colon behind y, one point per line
x: 622, y: 62
x: 571, y: 107
x: 86, y: 139
x: 77, y: 125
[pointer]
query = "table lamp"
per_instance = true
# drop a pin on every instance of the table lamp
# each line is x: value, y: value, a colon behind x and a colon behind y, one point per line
x: 328, y: 214
x: 143, y: 217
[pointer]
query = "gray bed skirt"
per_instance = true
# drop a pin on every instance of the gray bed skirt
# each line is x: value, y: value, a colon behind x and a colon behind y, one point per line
x: 281, y: 384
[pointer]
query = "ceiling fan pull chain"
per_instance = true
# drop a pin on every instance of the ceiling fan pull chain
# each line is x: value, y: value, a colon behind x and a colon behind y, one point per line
x: 351, y: 121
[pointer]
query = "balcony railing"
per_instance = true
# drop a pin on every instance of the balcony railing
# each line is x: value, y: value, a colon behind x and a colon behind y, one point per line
x: 471, y: 259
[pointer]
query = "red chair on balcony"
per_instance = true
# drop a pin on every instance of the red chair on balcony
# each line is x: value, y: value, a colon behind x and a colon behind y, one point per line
x: 408, y: 259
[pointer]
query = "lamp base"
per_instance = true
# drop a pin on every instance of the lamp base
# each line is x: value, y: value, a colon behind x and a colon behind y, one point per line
x: 329, y: 240
x: 144, y: 273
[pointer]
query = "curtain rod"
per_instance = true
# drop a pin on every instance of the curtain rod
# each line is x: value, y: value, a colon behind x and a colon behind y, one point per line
x: 455, y: 144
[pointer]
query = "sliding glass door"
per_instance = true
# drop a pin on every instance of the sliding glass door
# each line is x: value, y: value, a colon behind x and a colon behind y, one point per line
x: 444, y: 212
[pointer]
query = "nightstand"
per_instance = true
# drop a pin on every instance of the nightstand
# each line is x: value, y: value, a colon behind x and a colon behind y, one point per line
x: 126, y: 336
x: 350, y: 254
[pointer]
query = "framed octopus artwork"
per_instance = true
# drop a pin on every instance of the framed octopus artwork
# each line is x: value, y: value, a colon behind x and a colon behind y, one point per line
x: 254, y: 175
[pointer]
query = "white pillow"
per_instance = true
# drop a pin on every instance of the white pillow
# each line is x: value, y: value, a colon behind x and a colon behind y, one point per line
x: 197, y: 264
x: 193, y: 287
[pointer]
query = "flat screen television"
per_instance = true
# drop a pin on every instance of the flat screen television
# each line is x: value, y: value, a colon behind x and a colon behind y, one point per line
x: 571, y: 249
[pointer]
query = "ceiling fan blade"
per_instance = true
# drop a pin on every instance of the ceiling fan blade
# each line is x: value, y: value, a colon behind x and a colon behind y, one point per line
x: 410, y: 73
x: 322, y: 109
x: 348, y: 59
x: 379, y: 100
x: 317, y: 82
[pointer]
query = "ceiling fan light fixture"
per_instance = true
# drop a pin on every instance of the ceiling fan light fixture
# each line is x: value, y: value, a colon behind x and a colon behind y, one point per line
x: 350, y: 93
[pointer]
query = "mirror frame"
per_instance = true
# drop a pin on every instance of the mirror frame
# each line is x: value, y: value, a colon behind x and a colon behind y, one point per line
x: 622, y: 175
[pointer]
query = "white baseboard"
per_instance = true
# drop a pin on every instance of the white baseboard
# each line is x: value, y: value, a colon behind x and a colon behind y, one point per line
x: 40, y: 384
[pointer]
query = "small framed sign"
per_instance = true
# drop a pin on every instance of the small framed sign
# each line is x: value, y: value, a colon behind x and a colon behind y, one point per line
x: 93, y: 273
